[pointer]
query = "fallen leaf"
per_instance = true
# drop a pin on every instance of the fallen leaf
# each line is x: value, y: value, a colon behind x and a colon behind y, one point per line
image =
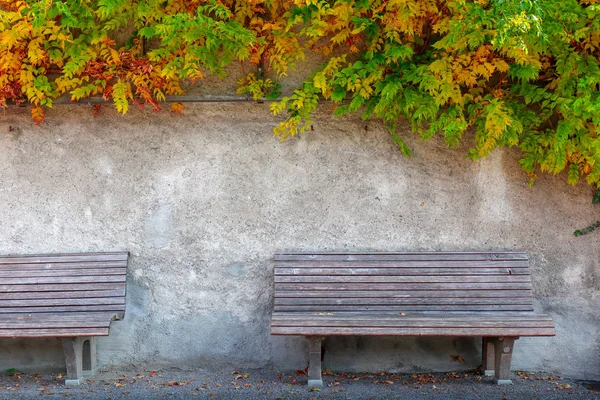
x: 458, y: 358
x: 177, y: 107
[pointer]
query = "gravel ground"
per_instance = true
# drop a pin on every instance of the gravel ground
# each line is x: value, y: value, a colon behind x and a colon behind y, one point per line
x: 268, y: 384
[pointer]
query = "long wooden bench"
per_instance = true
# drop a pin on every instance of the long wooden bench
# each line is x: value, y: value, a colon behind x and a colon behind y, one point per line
x: 483, y: 294
x: 70, y: 296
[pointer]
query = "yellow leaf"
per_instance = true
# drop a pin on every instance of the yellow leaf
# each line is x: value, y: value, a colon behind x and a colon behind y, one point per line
x: 38, y: 115
x: 177, y: 107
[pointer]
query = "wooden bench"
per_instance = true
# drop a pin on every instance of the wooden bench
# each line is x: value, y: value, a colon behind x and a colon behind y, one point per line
x: 486, y: 294
x: 70, y: 296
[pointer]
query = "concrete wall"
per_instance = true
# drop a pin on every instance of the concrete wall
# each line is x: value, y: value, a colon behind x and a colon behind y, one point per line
x: 203, y: 200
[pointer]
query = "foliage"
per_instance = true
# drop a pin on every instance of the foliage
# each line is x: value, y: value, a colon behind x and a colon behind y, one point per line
x: 596, y: 198
x: 516, y: 73
x: 259, y: 88
x: 588, y: 229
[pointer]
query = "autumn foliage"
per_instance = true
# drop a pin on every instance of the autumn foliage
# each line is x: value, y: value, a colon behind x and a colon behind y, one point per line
x: 522, y: 73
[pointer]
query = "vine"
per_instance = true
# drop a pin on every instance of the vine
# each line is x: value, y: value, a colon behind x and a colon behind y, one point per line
x: 520, y: 73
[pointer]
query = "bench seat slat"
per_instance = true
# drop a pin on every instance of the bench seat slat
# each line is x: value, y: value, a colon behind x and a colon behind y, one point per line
x: 62, y: 295
x: 51, y: 258
x: 4, y: 274
x: 402, y: 256
x: 62, y: 302
x: 58, y: 287
x: 404, y: 286
x: 401, y: 294
x: 403, y: 279
x: 443, y: 331
x: 402, y: 308
x: 63, y: 266
x: 53, y: 332
x: 56, y: 309
x: 75, y: 315
x: 409, y: 322
x: 63, y: 280
x: 398, y: 301
x: 473, y: 265
x: 317, y: 316
x: 31, y: 323
x: 451, y: 271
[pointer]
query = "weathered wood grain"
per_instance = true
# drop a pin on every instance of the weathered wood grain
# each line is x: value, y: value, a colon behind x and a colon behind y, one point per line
x: 62, y: 257
x: 400, y: 293
x: 391, y: 271
x: 61, y: 295
x: 53, y: 332
x: 402, y: 256
x: 60, y: 287
x: 374, y: 331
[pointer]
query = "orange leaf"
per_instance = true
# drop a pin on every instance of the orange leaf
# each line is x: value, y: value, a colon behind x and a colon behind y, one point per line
x: 458, y: 358
x: 177, y: 107
x: 38, y: 114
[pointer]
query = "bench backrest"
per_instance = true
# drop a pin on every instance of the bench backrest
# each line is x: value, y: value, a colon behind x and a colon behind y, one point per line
x: 63, y: 283
x: 403, y: 282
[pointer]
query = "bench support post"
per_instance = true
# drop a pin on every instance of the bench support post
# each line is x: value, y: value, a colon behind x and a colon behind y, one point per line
x: 315, y: 379
x: 487, y: 353
x: 75, y: 357
x: 504, y: 347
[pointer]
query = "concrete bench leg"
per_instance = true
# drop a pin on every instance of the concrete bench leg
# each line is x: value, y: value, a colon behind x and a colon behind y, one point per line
x: 315, y: 379
x: 488, y: 354
x: 80, y: 357
x: 504, y: 347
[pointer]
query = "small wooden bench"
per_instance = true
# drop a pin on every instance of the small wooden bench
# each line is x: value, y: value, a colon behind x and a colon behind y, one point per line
x: 486, y: 294
x: 71, y: 296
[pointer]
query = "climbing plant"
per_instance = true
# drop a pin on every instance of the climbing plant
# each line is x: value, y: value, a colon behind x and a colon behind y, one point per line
x: 516, y: 73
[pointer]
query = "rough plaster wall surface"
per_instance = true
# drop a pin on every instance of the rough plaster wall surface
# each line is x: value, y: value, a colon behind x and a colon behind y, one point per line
x: 203, y: 200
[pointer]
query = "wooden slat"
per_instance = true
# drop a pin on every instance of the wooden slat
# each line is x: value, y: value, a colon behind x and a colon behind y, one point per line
x: 392, y: 271
x: 63, y: 280
x: 76, y: 315
x: 435, y: 323
x: 61, y: 287
x: 61, y: 273
x: 402, y: 279
x: 53, y: 332
x: 61, y: 302
x: 54, y: 323
x: 400, y: 256
x: 354, y: 331
x: 410, y: 301
x: 401, y: 294
x: 401, y: 286
x: 53, y: 258
x: 319, y: 316
x: 474, y: 265
x: 63, y: 266
x: 401, y: 308
x: 62, y: 295
x: 86, y: 308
